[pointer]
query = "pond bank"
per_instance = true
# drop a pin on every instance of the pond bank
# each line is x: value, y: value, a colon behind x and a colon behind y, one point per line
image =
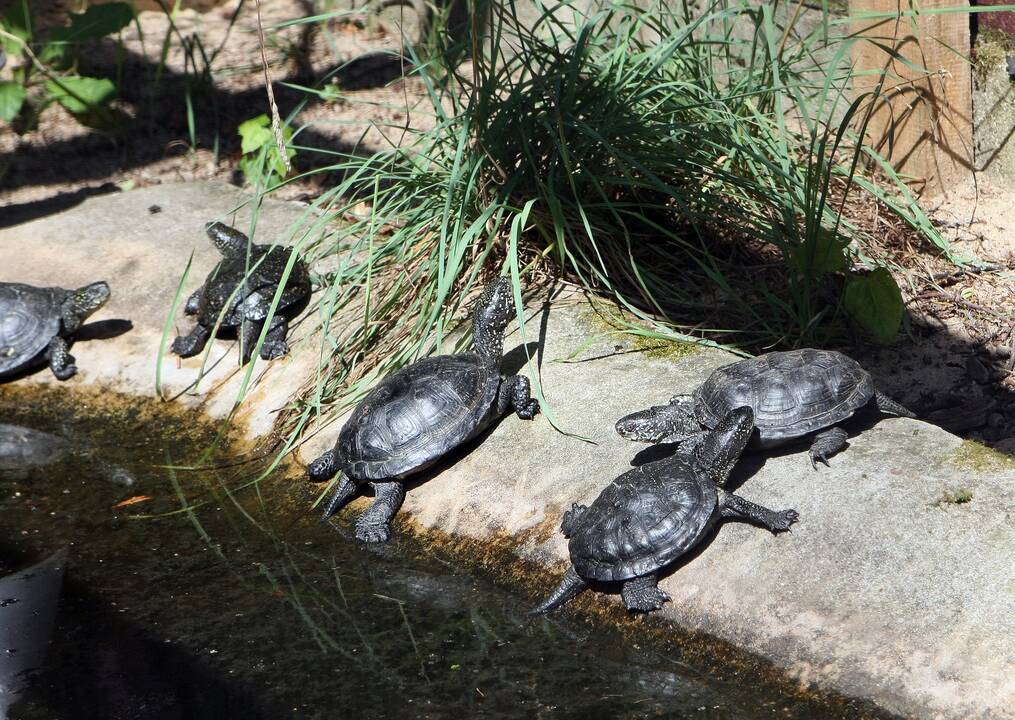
x: 887, y: 589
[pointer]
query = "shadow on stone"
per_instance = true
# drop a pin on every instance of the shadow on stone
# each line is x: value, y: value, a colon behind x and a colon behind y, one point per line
x: 103, y: 330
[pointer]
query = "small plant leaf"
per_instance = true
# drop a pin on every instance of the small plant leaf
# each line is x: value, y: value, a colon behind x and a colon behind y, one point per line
x: 12, y: 97
x: 828, y: 253
x: 95, y: 22
x: 874, y: 303
x: 79, y: 94
x: 254, y: 133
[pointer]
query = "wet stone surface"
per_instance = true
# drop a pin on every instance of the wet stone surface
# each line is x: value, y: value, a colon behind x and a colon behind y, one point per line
x: 240, y: 604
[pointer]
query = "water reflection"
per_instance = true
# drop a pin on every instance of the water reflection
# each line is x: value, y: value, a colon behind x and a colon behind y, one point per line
x: 24, y: 449
x: 27, y: 610
x: 241, y: 604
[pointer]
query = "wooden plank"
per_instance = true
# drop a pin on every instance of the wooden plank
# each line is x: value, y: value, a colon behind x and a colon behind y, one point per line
x: 923, y: 122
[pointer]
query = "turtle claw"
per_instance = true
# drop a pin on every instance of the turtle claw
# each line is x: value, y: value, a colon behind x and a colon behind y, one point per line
x: 529, y: 410
x: 818, y: 457
x: 647, y: 600
x: 371, y: 533
x: 274, y: 350
x: 67, y: 371
x: 781, y: 521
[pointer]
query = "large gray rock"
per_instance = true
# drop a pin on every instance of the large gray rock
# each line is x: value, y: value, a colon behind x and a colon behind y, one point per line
x: 143, y: 254
x: 885, y: 589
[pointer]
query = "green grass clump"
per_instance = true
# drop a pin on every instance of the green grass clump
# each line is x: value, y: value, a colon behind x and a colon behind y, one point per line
x: 690, y: 163
x: 960, y: 496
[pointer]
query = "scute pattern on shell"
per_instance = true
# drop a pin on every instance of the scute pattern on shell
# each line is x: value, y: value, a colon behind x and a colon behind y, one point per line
x: 792, y: 393
x: 254, y: 296
x: 29, y: 319
x: 642, y: 521
x: 416, y: 415
x: 22, y: 447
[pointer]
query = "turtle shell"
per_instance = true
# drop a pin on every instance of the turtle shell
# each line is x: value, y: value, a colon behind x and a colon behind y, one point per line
x: 29, y: 319
x: 416, y: 415
x: 792, y: 393
x: 23, y: 448
x: 643, y: 520
x: 253, y: 298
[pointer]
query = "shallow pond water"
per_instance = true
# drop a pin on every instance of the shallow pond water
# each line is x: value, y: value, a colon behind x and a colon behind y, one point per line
x: 240, y: 604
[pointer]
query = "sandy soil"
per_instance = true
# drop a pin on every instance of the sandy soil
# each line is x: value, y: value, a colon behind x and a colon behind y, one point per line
x: 62, y: 156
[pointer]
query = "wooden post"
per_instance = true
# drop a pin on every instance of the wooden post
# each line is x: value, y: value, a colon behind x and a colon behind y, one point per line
x: 923, y: 121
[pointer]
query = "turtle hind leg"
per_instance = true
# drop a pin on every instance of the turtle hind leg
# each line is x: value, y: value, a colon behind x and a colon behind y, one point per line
x: 61, y: 362
x: 374, y: 525
x: 887, y: 405
x: 190, y: 345
x: 275, y: 345
x: 827, y: 442
x: 571, y: 585
x: 642, y: 594
x: 734, y: 507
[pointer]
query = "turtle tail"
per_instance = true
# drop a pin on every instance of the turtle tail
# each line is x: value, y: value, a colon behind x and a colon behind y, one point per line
x: 570, y: 587
x: 342, y: 494
x: 887, y: 405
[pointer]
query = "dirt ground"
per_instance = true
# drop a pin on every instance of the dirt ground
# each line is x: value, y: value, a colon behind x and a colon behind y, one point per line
x: 953, y: 365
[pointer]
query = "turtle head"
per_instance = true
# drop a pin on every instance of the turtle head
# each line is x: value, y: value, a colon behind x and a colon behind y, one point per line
x: 659, y: 423
x: 722, y: 447
x: 229, y: 241
x: 491, y: 316
x: 81, y: 303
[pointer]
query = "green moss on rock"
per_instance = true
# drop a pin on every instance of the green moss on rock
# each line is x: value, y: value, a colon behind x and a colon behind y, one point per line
x: 992, y: 47
x: 972, y: 455
x: 640, y: 337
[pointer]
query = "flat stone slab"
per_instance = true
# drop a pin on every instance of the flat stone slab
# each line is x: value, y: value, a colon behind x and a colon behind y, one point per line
x: 885, y: 589
x: 142, y: 253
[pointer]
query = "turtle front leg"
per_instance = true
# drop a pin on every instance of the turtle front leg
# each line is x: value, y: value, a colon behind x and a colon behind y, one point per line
x: 374, y: 525
x: 193, y: 303
x: 190, y: 345
x: 734, y: 507
x: 61, y: 362
x: 515, y: 393
x: 641, y: 594
x: 827, y: 442
x: 275, y: 345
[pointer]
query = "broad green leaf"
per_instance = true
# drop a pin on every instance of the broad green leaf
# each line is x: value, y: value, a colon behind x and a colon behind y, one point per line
x: 824, y: 253
x: 12, y: 96
x: 95, y: 22
x: 254, y: 133
x: 79, y: 94
x: 874, y: 303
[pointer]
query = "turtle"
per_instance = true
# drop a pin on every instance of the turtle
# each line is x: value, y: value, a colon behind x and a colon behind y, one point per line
x: 36, y: 324
x: 653, y: 514
x: 24, y: 449
x: 418, y: 414
x: 246, y: 280
x: 794, y: 394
